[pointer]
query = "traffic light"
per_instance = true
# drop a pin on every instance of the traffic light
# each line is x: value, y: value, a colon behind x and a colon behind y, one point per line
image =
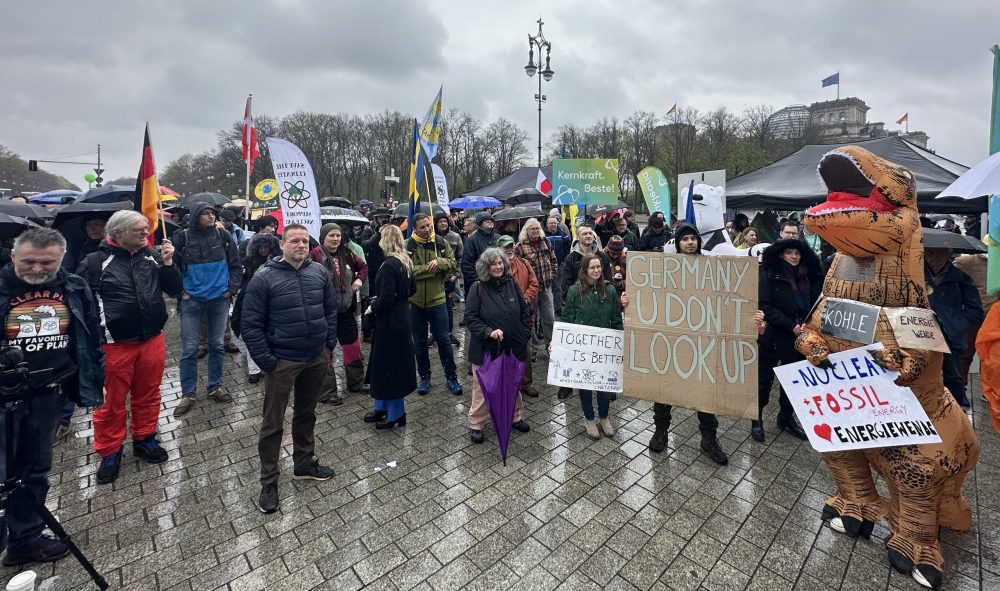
x: 33, y: 165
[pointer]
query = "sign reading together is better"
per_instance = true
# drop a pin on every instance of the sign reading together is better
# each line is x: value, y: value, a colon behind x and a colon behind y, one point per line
x: 586, y: 357
x: 690, y: 339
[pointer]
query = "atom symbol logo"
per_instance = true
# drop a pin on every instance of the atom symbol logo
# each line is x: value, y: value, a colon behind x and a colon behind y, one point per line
x: 295, y: 195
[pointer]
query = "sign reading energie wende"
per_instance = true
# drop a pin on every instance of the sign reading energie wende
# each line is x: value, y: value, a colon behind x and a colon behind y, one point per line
x: 584, y: 181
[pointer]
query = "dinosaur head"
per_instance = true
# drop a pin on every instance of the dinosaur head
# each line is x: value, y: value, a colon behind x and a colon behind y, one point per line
x: 871, y: 206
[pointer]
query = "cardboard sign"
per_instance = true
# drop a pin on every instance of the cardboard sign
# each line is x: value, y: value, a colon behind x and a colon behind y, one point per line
x: 690, y: 338
x: 917, y: 328
x: 855, y: 404
x: 584, y: 181
x: 586, y: 357
x: 851, y: 320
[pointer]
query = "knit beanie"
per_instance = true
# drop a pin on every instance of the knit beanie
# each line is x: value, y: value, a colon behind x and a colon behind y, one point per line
x: 326, y: 230
x: 615, y: 246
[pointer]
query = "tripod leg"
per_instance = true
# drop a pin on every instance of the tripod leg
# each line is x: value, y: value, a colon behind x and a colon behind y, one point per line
x: 57, y: 528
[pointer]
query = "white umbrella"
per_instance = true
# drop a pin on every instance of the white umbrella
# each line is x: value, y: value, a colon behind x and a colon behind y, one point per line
x: 982, y: 179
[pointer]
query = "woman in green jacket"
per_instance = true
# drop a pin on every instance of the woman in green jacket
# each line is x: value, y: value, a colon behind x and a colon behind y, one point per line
x: 593, y: 301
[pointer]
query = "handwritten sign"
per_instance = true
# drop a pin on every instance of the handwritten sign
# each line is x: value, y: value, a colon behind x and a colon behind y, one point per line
x: 917, y: 328
x: 854, y: 404
x: 851, y: 320
x: 586, y: 357
x: 690, y: 338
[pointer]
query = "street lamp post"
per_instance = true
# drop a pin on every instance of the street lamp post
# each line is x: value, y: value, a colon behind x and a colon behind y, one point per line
x: 538, y: 41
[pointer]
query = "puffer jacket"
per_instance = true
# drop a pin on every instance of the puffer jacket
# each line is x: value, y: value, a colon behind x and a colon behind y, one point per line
x: 430, y: 286
x: 289, y: 313
x: 497, y: 303
x: 129, y: 289
x: 589, y: 310
x: 207, y: 258
x: 955, y: 301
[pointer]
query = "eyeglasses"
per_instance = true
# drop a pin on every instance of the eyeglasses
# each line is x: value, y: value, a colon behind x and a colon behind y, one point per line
x: 139, y: 231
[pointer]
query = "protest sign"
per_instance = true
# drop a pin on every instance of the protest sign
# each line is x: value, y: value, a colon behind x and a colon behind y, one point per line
x: 917, y: 328
x: 655, y: 189
x: 849, y: 319
x: 296, y: 185
x: 265, y: 193
x: 854, y: 404
x: 441, y: 188
x: 586, y: 357
x: 690, y: 338
x: 584, y: 181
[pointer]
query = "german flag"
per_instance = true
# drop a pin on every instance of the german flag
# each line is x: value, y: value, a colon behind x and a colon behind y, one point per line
x: 147, y: 189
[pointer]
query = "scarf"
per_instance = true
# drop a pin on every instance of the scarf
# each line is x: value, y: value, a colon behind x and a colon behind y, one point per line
x: 430, y: 239
x: 798, y: 278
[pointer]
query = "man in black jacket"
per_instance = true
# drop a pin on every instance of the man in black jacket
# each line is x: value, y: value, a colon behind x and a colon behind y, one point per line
x: 129, y: 281
x: 484, y: 237
x: 655, y: 236
x: 289, y: 324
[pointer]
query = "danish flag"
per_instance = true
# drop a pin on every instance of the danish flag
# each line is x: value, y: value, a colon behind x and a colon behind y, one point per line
x: 251, y: 149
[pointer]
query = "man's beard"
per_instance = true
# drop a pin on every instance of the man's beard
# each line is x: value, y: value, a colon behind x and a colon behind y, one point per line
x: 36, y: 278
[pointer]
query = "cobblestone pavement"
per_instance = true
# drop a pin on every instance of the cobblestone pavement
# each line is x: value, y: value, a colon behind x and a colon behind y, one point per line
x: 423, y: 508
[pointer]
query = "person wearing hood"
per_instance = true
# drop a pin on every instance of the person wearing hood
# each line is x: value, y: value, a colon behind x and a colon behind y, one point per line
x: 655, y: 235
x: 791, y: 278
x: 348, y: 272
x: 77, y: 246
x: 129, y: 280
x: 484, y: 237
x: 290, y: 328
x: 443, y: 228
x: 260, y: 248
x: 210, y: 265
x: 688, y: 241
x: 632, y: 226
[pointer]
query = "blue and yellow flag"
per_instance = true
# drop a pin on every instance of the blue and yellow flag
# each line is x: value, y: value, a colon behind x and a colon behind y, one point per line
x: 416, y: 176
x: 430, y: 130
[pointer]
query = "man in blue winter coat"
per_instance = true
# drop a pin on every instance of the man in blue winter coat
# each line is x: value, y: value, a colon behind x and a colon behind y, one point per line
x: 289, y: 324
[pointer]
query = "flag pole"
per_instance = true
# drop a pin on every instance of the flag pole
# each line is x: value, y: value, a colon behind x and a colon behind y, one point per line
x: 246, y: 207
x: 838, y: 85
x: 159, y: 194
x: 430, y: 205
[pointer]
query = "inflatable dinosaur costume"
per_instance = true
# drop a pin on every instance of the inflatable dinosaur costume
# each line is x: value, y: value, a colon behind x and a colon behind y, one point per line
x: 871, y: 218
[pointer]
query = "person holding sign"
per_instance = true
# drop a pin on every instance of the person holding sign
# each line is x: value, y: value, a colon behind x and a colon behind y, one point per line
x: 593, y: 301
x: 498, y: 317
x: 790, y: 281
x: 688, y: 241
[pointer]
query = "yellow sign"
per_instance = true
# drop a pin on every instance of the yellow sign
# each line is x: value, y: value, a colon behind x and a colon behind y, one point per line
x: 266, y: 190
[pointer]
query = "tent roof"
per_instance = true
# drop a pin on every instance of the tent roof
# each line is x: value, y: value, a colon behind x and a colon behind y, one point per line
x: 522, y: 178
x: 792, y: 183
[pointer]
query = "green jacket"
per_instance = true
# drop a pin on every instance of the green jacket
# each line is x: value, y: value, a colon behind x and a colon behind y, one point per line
x: 590, y: 310
x: 430, y: 286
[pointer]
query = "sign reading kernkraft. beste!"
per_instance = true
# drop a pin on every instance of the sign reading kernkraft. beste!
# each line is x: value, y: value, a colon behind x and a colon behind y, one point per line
x: 584, y: 181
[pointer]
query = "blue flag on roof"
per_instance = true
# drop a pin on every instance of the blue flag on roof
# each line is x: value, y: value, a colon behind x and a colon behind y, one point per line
x: 831, y: 80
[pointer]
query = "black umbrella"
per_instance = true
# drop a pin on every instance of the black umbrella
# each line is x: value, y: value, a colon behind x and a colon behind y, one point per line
x: 89, y: 209
x: 108, y: 194
x: 959, y: 243
x: 403, y: 209
x: 335, y: 202
x: 529, y: 195
x: 35, y: 213
x: 11, y: 226
x: 213, y: 199
x: 520, y: 212
x: 599, y: 210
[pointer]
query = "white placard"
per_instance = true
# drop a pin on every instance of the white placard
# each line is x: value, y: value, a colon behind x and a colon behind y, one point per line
x: 854, y: 404
x: 586, y: 357
x: 296, y: 185
x: 917, y: 328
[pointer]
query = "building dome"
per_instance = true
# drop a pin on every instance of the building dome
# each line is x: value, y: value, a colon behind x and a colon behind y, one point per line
x: 790, y: 122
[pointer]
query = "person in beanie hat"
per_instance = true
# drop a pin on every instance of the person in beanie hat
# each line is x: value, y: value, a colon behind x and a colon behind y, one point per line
x: 655, y: 235
x: 484, y: 237
x: 688, y: 241
x: 347, y: 272
x: 615, y: 250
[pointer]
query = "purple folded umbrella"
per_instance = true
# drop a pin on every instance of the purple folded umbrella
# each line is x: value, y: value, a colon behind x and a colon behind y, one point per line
x: 500, y: 380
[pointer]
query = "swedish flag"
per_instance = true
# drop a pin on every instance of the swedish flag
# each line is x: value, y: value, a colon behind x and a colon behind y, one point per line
x: 416, y: 176
x: 430, y: 130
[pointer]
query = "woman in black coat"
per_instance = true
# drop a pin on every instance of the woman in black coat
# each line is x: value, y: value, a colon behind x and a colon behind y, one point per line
x: 392, y: 368
x: 790, y: 283
x: 498, y: 317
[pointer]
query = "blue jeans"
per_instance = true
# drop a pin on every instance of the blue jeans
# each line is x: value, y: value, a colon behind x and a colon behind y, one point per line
x: 587, y: 402
x: 217, y: 313
x: 34, y: 424
x: 394, y: 408
x: 437, y: 317
x: 450, y: 288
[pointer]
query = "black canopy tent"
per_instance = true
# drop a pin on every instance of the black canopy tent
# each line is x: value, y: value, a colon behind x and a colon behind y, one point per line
x: 792, y: 183
x: 522, y: 178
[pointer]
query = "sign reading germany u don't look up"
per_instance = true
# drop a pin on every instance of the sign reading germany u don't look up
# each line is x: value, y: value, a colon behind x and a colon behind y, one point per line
x: 690, y: 338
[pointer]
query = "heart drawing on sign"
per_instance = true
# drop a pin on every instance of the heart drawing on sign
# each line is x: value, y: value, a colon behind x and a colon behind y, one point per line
x: 824, y: 431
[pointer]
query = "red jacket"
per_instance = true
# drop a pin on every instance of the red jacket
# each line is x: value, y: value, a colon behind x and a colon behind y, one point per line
x: 522, y: 273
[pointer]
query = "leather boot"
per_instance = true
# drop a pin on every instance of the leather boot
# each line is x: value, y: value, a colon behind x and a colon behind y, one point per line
x: 712, y: 448
x: 788, y: 423
x: 757, y: 431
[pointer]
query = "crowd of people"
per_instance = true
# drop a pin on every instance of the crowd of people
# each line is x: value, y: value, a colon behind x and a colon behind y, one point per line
x: 91, y: 313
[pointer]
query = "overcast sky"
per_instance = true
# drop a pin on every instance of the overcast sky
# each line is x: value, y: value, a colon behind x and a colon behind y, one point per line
x: 74, y: 74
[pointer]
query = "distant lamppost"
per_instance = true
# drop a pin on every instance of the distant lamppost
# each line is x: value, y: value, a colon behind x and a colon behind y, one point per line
x: 539, y: 41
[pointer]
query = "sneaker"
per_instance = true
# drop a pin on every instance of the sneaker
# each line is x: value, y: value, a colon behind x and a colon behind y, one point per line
x: 521, y: 426
x: 424, y: 386
x: 476, y: 435
x: 454, y: 340
x: 454, y: 386
x: 61, y: 432
x: 110, y: 465
x: 40, y: 549
x: 186, y: 404
x: 253, y: 378
x: 658, y: 442
x: 714, y: 450
x: 316, y: 471
x: 149, y: 449
x: 268, y: 502
x: 217, y: 394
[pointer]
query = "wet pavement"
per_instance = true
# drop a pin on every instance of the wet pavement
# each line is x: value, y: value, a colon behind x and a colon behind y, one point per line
x: 421, y: 507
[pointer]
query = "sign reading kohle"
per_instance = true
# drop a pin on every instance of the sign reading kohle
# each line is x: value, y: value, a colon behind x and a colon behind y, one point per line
x: 854, y: 404
x: 585, y: 181
x: 586, y: 357
x: 690, y: 339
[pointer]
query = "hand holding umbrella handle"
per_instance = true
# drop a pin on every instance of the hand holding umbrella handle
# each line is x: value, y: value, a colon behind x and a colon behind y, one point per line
x: 497, y: 334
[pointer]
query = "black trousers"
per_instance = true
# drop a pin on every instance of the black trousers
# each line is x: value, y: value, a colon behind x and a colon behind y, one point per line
x: 765, y: 379
x: 708, y: 424
x: 952, y: 379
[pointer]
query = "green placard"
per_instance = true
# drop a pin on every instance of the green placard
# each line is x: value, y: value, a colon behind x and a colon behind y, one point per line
x: 655, y: 189
x: 581, y: 181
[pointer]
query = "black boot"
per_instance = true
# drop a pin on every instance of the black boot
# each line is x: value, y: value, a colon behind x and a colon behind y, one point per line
x: 658, y: 442
x: 788, y: 423
x: 711, y: 447
x: 757, y: 431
